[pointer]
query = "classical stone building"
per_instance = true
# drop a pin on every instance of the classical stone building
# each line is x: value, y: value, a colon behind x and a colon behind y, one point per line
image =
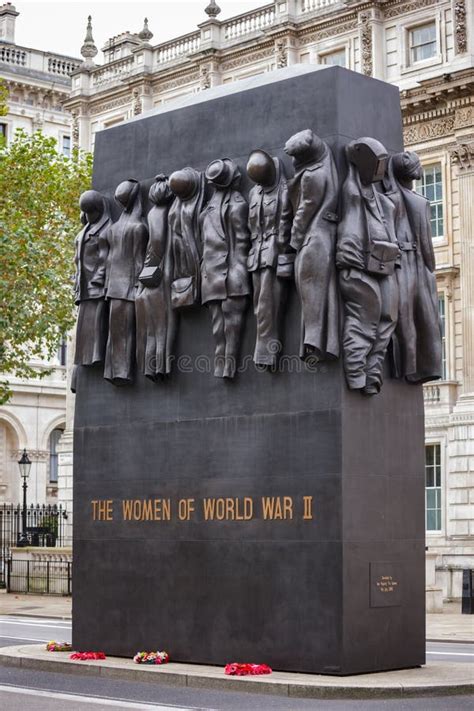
x: 426, y: 48
x: 38, y: 83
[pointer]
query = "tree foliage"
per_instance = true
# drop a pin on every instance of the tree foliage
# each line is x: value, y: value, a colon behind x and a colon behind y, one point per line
x: 3, y: 99
x: 39, y: 218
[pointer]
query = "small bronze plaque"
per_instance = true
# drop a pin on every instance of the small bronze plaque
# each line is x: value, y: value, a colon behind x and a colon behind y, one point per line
x: 385, y: 585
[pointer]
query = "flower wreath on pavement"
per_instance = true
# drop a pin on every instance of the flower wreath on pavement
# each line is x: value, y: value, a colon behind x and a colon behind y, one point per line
x: 59, y: 647
x: 236, y: 669
x: 83, y: 656
x: 151, y: 658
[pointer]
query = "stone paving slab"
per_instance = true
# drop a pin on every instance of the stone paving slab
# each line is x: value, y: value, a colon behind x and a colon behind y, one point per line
x: 35, y: 605
x: 434, y: 679
x: 449, y: 627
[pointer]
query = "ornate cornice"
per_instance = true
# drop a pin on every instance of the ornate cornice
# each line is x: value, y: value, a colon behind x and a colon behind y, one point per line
x: 177, y: 80
x: 429, y: 130
x: 98, y: 108
x: 402, y: 9
x: 328, y: 30
x: 243, y: 58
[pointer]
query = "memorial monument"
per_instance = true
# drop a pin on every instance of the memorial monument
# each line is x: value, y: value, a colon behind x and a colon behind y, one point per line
x: 254, y: 489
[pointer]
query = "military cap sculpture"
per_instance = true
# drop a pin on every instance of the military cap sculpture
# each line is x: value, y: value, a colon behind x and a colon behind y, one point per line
x: 364, y: 278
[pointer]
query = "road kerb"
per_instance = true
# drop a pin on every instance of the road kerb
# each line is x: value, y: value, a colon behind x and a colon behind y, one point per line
x: 435, y: 679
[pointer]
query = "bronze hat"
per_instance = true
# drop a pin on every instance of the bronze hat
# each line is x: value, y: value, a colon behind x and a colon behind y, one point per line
x: 221, y: 172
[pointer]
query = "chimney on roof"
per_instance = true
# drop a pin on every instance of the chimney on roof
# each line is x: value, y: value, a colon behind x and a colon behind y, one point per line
x: 8, y: 15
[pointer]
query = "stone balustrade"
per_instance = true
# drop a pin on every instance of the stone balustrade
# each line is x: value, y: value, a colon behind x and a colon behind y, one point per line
x: 168, y: 51
x: 12, y: 55
x: 109, y: 73
x: 250, y: 22
x: 312, y: 5
x: 56, y: 65
x: 45, y: 63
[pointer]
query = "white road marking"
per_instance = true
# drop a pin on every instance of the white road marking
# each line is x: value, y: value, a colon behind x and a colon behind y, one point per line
x: 30, y: 639
x: 453, y: 654
x: 34, y: 623
x: 104, y: 700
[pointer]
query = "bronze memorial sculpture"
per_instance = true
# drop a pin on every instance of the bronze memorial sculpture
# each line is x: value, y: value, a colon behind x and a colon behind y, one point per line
x: 128, y: 239
x: 156, y: 320
x: 367, y: 256
x: 417, y: 338
x: 279, y: 515
x: 313, y: 193
x: 92, y: 249
x: 270, y: 261
x: 225, y: 285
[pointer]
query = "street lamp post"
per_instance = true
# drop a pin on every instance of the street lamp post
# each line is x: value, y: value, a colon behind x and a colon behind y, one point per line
x: 24, y: 465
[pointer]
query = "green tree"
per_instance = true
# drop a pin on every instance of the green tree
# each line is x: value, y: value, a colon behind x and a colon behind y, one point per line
x: 39, y: 218
x: 3, y: 99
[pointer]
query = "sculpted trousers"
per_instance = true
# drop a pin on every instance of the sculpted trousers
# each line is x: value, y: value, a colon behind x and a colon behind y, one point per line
x: 316, y: 283
x: 227, y: 321
x: 268, y: 295
x: 120, y: 352
x: 370, y: 318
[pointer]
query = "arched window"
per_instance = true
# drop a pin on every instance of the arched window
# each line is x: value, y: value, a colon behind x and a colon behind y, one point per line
x: 53, y: 455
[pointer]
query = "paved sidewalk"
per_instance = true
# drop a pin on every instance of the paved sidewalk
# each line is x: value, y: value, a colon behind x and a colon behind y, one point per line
x: 35, y: 605
x: 450, y: 627
x: 436, y: 678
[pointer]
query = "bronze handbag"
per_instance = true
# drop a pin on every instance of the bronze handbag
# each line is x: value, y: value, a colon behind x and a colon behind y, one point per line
x: 151, y: 277
x: 382, y: 258
x: 183, y: 292
x: 286, y: 266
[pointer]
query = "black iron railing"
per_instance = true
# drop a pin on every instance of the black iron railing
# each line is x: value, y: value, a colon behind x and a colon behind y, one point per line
x: 45, y: 526
x: 39, y: 576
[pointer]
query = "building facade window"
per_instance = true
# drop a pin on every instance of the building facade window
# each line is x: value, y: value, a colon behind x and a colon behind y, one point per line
x: 422, y: 42
x: 336, y: 58
x: 442, y: 318
x: 3, y: 131
x: 66, y: 146
x: 431, y: 186
x: 53, y: 455
x: 433, y: 486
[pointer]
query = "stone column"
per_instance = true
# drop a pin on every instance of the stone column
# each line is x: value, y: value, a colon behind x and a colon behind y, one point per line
x: 65, y: 448
x: 463, y: 157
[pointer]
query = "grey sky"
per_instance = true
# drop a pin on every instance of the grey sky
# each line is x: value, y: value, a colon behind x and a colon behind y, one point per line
x: 59, y: 25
